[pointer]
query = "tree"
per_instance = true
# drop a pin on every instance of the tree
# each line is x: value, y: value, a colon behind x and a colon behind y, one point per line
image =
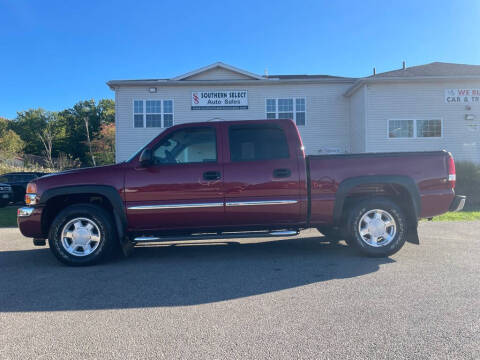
x: 28, y: 125
x: 104, y: 145
x: 106, y: 111
x: 47, y: 136
x: 70, y: 132
x: 11, y: 144
x: 4, y: 123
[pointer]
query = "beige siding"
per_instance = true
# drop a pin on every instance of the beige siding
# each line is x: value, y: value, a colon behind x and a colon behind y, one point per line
x: 423, y: 100
x: 218, y: 74
x: 357, y: 121
x: 327, y: 112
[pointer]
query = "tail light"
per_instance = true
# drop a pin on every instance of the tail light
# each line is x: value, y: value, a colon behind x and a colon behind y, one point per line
x: 452, y: 175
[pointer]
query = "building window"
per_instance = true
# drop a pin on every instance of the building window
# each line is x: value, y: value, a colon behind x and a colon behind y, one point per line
x: 167, y: 113
x: 290, y: 108
x: 429, y: 128
x: 400, y: 128
x: 152, y: 113
x: 414, y: 128
x: 138, y: 113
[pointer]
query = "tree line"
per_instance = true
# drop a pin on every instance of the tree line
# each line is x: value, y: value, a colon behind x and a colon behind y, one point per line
x: 83, y: 135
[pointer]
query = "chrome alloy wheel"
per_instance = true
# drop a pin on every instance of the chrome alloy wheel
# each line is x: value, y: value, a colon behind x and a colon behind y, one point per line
x: 81, y: 237
x: 377, y: 228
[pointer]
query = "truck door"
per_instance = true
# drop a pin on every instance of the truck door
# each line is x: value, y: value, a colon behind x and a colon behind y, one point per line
x: 261, y: 175
x: 183, y: 188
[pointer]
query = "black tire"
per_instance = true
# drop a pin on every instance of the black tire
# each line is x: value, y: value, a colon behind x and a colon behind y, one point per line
x: 106, y: 231
x: 363, y: 207
x: 3, y: 203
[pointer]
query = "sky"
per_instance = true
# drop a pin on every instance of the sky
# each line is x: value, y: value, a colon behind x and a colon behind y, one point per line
x: 55, y: 53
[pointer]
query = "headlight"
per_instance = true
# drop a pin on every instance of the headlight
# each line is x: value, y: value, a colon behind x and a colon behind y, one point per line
x: 31, y: 194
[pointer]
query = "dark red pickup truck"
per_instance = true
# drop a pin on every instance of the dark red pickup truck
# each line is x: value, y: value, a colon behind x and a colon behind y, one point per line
x: 237, y: 179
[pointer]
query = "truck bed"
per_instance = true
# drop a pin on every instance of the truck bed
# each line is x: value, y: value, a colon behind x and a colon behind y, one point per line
x: 333, y: 176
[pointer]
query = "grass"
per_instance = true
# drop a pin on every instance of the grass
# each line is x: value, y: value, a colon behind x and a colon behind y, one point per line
x: 459, y: 216
x: 8, y: 216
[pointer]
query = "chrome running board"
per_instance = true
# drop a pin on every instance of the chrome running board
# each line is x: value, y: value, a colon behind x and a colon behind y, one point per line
x: 212, y: 236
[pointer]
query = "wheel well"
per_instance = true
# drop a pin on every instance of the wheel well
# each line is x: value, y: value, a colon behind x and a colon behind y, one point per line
x: 58, y: 203
x: 395, y: 192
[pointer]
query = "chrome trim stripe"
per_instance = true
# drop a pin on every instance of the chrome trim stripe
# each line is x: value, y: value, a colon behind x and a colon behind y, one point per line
x: 207, y: 205
x: 174, y: 206
x: 147, y: 238
x: 285, y: 233
x: 266, y: 202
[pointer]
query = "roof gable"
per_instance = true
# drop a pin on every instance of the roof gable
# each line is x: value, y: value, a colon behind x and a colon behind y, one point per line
x: 218, y: 71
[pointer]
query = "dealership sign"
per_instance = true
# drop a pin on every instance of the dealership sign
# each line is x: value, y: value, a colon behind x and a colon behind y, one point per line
x: 220, y: 100
x: 462, y: 96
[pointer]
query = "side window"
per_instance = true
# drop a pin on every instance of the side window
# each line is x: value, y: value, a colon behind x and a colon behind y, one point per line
x: 186, y: 146
x: 257, y: 142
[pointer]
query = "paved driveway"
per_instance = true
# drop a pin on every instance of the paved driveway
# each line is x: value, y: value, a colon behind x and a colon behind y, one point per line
x: 295, y: 298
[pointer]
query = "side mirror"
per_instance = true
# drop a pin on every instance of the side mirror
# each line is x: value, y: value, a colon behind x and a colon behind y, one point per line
x: 146, y: 158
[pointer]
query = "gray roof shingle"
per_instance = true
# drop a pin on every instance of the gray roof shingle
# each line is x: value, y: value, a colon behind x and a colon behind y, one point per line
x: 304, y: 76
x: 433, y: 69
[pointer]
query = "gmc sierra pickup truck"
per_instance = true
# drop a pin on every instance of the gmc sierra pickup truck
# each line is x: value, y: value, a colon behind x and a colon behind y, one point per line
x: 237, y: 179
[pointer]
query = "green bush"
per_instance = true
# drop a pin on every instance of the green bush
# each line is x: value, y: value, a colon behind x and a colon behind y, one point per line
x: 468, y: 183
x: 6, y: 168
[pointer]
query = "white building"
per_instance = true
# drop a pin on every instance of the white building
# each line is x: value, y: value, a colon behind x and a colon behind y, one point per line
x: 428, y: 107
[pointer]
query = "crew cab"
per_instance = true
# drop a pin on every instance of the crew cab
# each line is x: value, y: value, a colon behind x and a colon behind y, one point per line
x: 236, y: 179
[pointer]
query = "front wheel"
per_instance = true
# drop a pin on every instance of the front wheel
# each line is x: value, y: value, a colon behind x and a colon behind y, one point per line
x: 81, y: 234
x: 377, y: 227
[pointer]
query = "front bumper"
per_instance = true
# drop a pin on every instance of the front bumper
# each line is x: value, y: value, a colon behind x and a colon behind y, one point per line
x: 8, y: 196
x: 29, y: 221
x: 458, y: 203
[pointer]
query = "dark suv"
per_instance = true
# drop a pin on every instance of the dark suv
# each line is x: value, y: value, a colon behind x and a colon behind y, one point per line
x: 18, y: 182
x: 5, y: 194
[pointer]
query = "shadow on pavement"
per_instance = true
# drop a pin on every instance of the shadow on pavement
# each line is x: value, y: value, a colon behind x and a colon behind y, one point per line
x: 174, y: 275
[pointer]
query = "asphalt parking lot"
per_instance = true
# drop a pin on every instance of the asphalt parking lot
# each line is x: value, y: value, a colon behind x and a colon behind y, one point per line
x: 293, y: 298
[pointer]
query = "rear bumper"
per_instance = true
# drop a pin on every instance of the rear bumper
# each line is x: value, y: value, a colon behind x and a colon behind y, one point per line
x: 458, y: 203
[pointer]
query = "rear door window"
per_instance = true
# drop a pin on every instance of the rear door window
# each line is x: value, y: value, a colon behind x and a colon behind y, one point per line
x: 256, y: 142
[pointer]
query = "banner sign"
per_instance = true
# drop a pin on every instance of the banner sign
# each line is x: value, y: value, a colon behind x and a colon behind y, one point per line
x: 220, y: 100
x: 462, y: 96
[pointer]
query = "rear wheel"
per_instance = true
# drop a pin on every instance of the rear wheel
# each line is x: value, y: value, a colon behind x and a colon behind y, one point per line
x: 82, y: 234
x: 377, y: 227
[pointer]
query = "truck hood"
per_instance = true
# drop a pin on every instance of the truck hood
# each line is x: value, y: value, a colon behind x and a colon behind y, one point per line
x: 85, y: 170
x: 110, y: 175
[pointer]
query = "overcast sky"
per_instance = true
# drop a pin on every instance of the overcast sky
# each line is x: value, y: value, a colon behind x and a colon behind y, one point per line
x: 55, y: 53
